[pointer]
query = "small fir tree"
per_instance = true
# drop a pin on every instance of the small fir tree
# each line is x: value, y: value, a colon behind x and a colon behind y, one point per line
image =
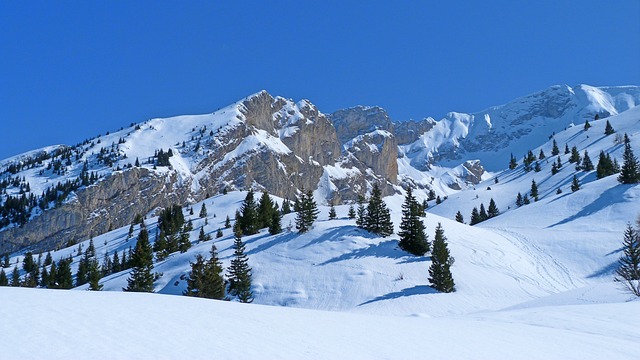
x: 459, y: 217
x: 483, y: 213
x: 475, y: 216
x: 141, y: 260
x: 628, y: 272
x: 4, y: 280
x: 575, y: 155
x: 440, y: 276
x: 248, y: 221
x: 519, y: 200
x: 608, y: 130
x: 362, y: 212
x: 15, y: 277
x: 276, y: 222
x: 555, y: 151
x: 227, y: 223
x: 566, y: 149
x: 239, y: 273
x: 205, y: 279
x: 575, y: 184
x: 587, y: 164
x: 541, y: 156
x: 203, y: 211
x: 378, y: 217
x: 630, y: 171
x: 352, y: 212
x: 493, y: 210
x: 512, y: 162
x: 525, y: 200
x: 586, y: 125
x: 219, y: 234
x: 94, y: 274
x: 534, y: 190
x: 332, y: 212
x: 307, y: 213
x: 265, y: 210
x: 412, y: 235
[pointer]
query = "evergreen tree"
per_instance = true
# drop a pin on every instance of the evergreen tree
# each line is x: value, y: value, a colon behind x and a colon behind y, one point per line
x: 525, y: 199
x: 559, y: 191
x: 239, y: 273
x: 276, y: 222
x: 332, y: 212
x: 608, y: 130
x: 15, y: 277
x: 493, y: 210
x: 541, y: 156
x: 483, y: 213
x: 536, y: 167
x: 575, y: 184
x: 64, y: 279
x: 587, y: 165
x: 219, y: 234
x: 575, y: 155
x: 586, y: 125
x: 412, y: 236
x: 141, y: 278
x: 459, y: 217
x: 630, y: 171
x: 94, y: 274
x: 4, y: 281
x: 378, y: 218
x: 566, y: 149
x: 362, y: 212
x: 554, y: 168
x: 628, y: 271
x: 202, y: 236
x: 203, y: 211
x: 534, y: 190
x: 475, y: 216
x: 115, y: 263
x: 286, y: 207
x: 248, y: 221
x: 555, y: 151
x: 559, y: 163
x: 227, y: 223
x: 184, y: 242
x: 519, y: 200
x: 440, y: 276
x: 265, y: 210
x: 307, y: 212
x: 205, y: 279
x: 352, y: 212
x: 512, y: 162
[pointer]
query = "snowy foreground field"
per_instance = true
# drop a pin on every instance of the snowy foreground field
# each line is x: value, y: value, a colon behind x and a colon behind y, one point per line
x: 50, y: 324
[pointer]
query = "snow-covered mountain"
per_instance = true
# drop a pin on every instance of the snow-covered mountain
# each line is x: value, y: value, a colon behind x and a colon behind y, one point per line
x: 537, y: 277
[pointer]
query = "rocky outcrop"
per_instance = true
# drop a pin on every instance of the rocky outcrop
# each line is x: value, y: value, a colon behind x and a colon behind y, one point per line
x: 407, y: 132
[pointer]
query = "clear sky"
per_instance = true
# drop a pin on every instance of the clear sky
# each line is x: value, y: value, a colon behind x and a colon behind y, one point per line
x: 70, y: 70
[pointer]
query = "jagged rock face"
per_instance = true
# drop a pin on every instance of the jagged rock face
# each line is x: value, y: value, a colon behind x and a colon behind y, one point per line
x: 407, y: 132
x: 110, y: 203
x: 359, y: 120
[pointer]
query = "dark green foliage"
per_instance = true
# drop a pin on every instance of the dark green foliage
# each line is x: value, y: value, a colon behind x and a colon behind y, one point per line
x: 440, y: 276
x: 332, y: 212
x: 162, y: 158
x: 630, y: 171
x: 586, y: 125
x: 412, y: 235
x: 141, y: 278
x: 115, y: 263
x: 459, y: 217
x: 512, y: 162
x: 203, y: 211
x: 352, y: 212
x: 377, y: 219
x: 362, y: 211
x: 130, y: 234
x: 15, y: 277
x: 493, y: 210
x: 205, y: 279
x: 628, y: 271
x: 5, y: 263
x: 63, y: 279
x: 519, y: 200
x: 248, y: 221
x: 266, y: 207
x: 48, y: 259
x: 239, y: 272
x: 276, y: 222
x: 587, y: 164
x: 566, y: 149
x: 575, y: 155
x: 475, y: 216
x: 307, y: 212
x: 541, y: 156
x: 227, y: 223
x: 555, y: 151
x: 286, y: 207
x: 219, y: 234
x: 554, y: 168
x: 184, y: 242
x: 432, y: 195
x: 28, y: 264
x: 4, y: 280
x: 559, y: 191
x: 171, y: 220
x: 575, y: 184
x: 536, y: 167
x: 605, y: 166
x: 528, y: 160
x: 608, y: 130
x: 534, y: 190
x: 483, y: 213
x: 525, y: 200
x: 438, y: 200
x: 94, y: 274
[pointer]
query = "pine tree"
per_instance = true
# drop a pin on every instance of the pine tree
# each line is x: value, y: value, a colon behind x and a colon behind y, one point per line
x: 519, y: 200
x: 378, y: 218
x: 559, y: 191
x: 115, y: 263
x: 483, y: 213
x: 203, y: 211
x: 587, y: 165
x: 15, y: 277
x: 205, y: 279
x: 412, y: 236
x: 541, y: 156
x: 286, y: 207
x: 555, y: 151
x: 227, y: 223
x: 575, y: 184
x: 440, y: 276
x: 566, y: 149
x: 459, y: 217
x: 554, y: 168
x: 239, y: 273
x: 4, y: 281
x: 575, y: 155
x: 534, y: 190
x: 628, y: 272
x: 512, y: 162
x: 525, y: 200
x: 362, y: 212
x: 94, y: 274
x: 248, y: 221
x: 586, y: 125
x: 64, y: 279
x: 332, y: 212
x: 536, y: 167
x: 219, y: 234
x: 630, y: 171
x: 265, y: 210
x: 141, y: 278
x: 307, y: 212
x: 352, y: 212
x: 184, y: 242
x: 202, y: 236
x: 475, y: 216
x: 608, y: 130
x: 493, y: 210
x: 276, y: 222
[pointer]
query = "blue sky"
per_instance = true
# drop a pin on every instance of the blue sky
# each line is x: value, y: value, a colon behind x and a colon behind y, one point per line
x: 70, y: 70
